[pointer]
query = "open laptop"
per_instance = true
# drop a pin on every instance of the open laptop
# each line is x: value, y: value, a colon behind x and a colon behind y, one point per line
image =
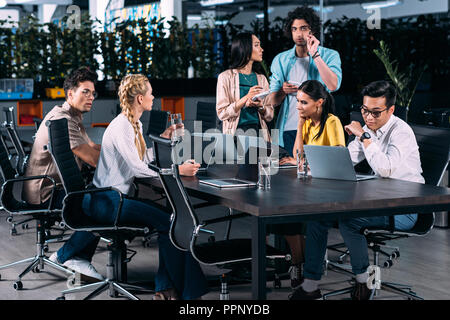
x: 273, y: 150
x: 205, y: 155
x: 246, y: 176
x: 332, y: 163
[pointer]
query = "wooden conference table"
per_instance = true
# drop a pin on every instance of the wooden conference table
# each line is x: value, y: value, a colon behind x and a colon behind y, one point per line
x: 295, y: 200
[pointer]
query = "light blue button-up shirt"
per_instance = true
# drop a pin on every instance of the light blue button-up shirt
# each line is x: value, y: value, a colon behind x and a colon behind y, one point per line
x: 280, y: 68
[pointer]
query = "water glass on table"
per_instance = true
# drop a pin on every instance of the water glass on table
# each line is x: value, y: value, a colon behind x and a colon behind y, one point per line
x: 302, y: 165
x: 264, y: 165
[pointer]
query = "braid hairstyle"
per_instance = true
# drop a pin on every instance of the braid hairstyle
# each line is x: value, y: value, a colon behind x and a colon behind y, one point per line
x: 131, y: 86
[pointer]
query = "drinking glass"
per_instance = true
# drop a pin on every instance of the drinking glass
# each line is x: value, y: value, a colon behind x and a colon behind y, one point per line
x: 302, y: 165
x: 175, y: 119
x: 264, y: 164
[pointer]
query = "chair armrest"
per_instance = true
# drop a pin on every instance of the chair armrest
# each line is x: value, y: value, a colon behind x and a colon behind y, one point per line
x: 10, y: 183
x: 153, y: 167
x: 203, y: 205
x: 30, y: 178
x: 224, y: 218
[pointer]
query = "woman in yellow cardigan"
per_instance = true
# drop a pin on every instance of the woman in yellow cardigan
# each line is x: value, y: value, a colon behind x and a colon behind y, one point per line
x: 318, y: 126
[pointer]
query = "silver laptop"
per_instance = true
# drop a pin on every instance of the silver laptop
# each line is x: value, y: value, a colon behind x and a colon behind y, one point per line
x: 228, y: 183
x: 332, y: 163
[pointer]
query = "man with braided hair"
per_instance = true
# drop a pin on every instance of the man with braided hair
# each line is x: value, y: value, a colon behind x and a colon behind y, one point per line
x: 76, y: 254
x: 125, y: 156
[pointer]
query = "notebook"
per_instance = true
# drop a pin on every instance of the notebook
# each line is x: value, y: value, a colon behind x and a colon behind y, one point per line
x: 332, y: 163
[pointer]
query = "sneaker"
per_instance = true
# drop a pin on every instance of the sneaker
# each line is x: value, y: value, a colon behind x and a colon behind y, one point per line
x: 300, y: 294
x: 54, y: 258
x: 361, y: 291
x: 295, y: 273
x: 84, y: 267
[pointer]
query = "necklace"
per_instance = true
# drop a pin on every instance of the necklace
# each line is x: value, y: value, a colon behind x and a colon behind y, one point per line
x: 247, y: 75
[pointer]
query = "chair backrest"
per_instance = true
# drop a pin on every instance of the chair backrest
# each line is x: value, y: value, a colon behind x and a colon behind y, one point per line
x: 158, y: 122
x: 59, y: 147
x: 206, y: 113
x: 184, y: 219
x: 7, y: 170
x: 434, y: 149
x: 69, y: 172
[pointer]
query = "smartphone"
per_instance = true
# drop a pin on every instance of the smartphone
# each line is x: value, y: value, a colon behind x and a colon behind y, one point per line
x: 295, y: 83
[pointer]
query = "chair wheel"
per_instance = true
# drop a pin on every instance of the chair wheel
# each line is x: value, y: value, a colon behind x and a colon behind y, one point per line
x: 45, y: 248
x: 18, y: 285
x: 9, y: 219
x: 388, y: 263
x: 61, y: 298
x: 71, y: 282
x: 395, y: 254
x: 36, y: 269
x: 13, y: 232
x: 146, y: 243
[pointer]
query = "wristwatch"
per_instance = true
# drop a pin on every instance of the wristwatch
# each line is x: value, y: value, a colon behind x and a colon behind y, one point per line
x: 364, y: 136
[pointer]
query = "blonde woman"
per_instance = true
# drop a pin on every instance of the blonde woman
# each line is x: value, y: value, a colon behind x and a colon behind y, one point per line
x: 123, y: 156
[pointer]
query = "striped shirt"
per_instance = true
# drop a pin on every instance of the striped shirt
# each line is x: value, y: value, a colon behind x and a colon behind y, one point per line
x: 119, y: 160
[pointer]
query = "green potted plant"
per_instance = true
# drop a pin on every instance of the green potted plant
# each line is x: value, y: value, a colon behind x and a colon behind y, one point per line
x: 404, y: 81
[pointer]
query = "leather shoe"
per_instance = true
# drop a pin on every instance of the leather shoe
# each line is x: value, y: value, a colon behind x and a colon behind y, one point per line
x: 300, y: 294
x: 361, y: 291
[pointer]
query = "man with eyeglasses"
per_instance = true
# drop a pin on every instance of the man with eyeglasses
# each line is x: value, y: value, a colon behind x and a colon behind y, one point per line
x: 390, y: 147
x: 305, y: 61
x: 79, y: 88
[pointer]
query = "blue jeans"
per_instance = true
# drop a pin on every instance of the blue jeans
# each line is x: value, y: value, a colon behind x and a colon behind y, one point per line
x: 317, y: 236
x: 289, y: 140
x: 177, y: 269
x: 81, y: 244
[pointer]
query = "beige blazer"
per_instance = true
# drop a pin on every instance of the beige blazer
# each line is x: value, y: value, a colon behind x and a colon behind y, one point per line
x: 228, y: 94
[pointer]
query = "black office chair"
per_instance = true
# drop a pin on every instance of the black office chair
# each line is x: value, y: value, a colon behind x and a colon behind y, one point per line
x: 21, y: 155
x: 158, y: 122
x: 74, y: 217
x: 206, y: 113
x: 45, y: 217
x: 434, y: 149
x: 186, y: 227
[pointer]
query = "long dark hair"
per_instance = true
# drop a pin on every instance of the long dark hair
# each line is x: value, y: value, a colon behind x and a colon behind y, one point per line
x: 316, y: 91
x: 241, y: 50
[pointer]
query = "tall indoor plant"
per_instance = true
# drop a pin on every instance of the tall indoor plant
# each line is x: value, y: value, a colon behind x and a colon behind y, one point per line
x: 404, y: 81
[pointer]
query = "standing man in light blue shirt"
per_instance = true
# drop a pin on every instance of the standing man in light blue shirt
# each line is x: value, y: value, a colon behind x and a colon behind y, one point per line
x: 306, y: 61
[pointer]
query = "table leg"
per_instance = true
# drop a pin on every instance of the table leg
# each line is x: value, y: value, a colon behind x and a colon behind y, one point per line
x: 258, y: 258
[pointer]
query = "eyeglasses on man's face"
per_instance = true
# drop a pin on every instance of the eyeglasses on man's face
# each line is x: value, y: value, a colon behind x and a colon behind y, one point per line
x: 88, y: 93
x: 302, y: 28
x: 375, y: 114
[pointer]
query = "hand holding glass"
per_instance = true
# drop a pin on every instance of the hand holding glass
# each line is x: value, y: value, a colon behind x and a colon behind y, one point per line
x: 177, y: 122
